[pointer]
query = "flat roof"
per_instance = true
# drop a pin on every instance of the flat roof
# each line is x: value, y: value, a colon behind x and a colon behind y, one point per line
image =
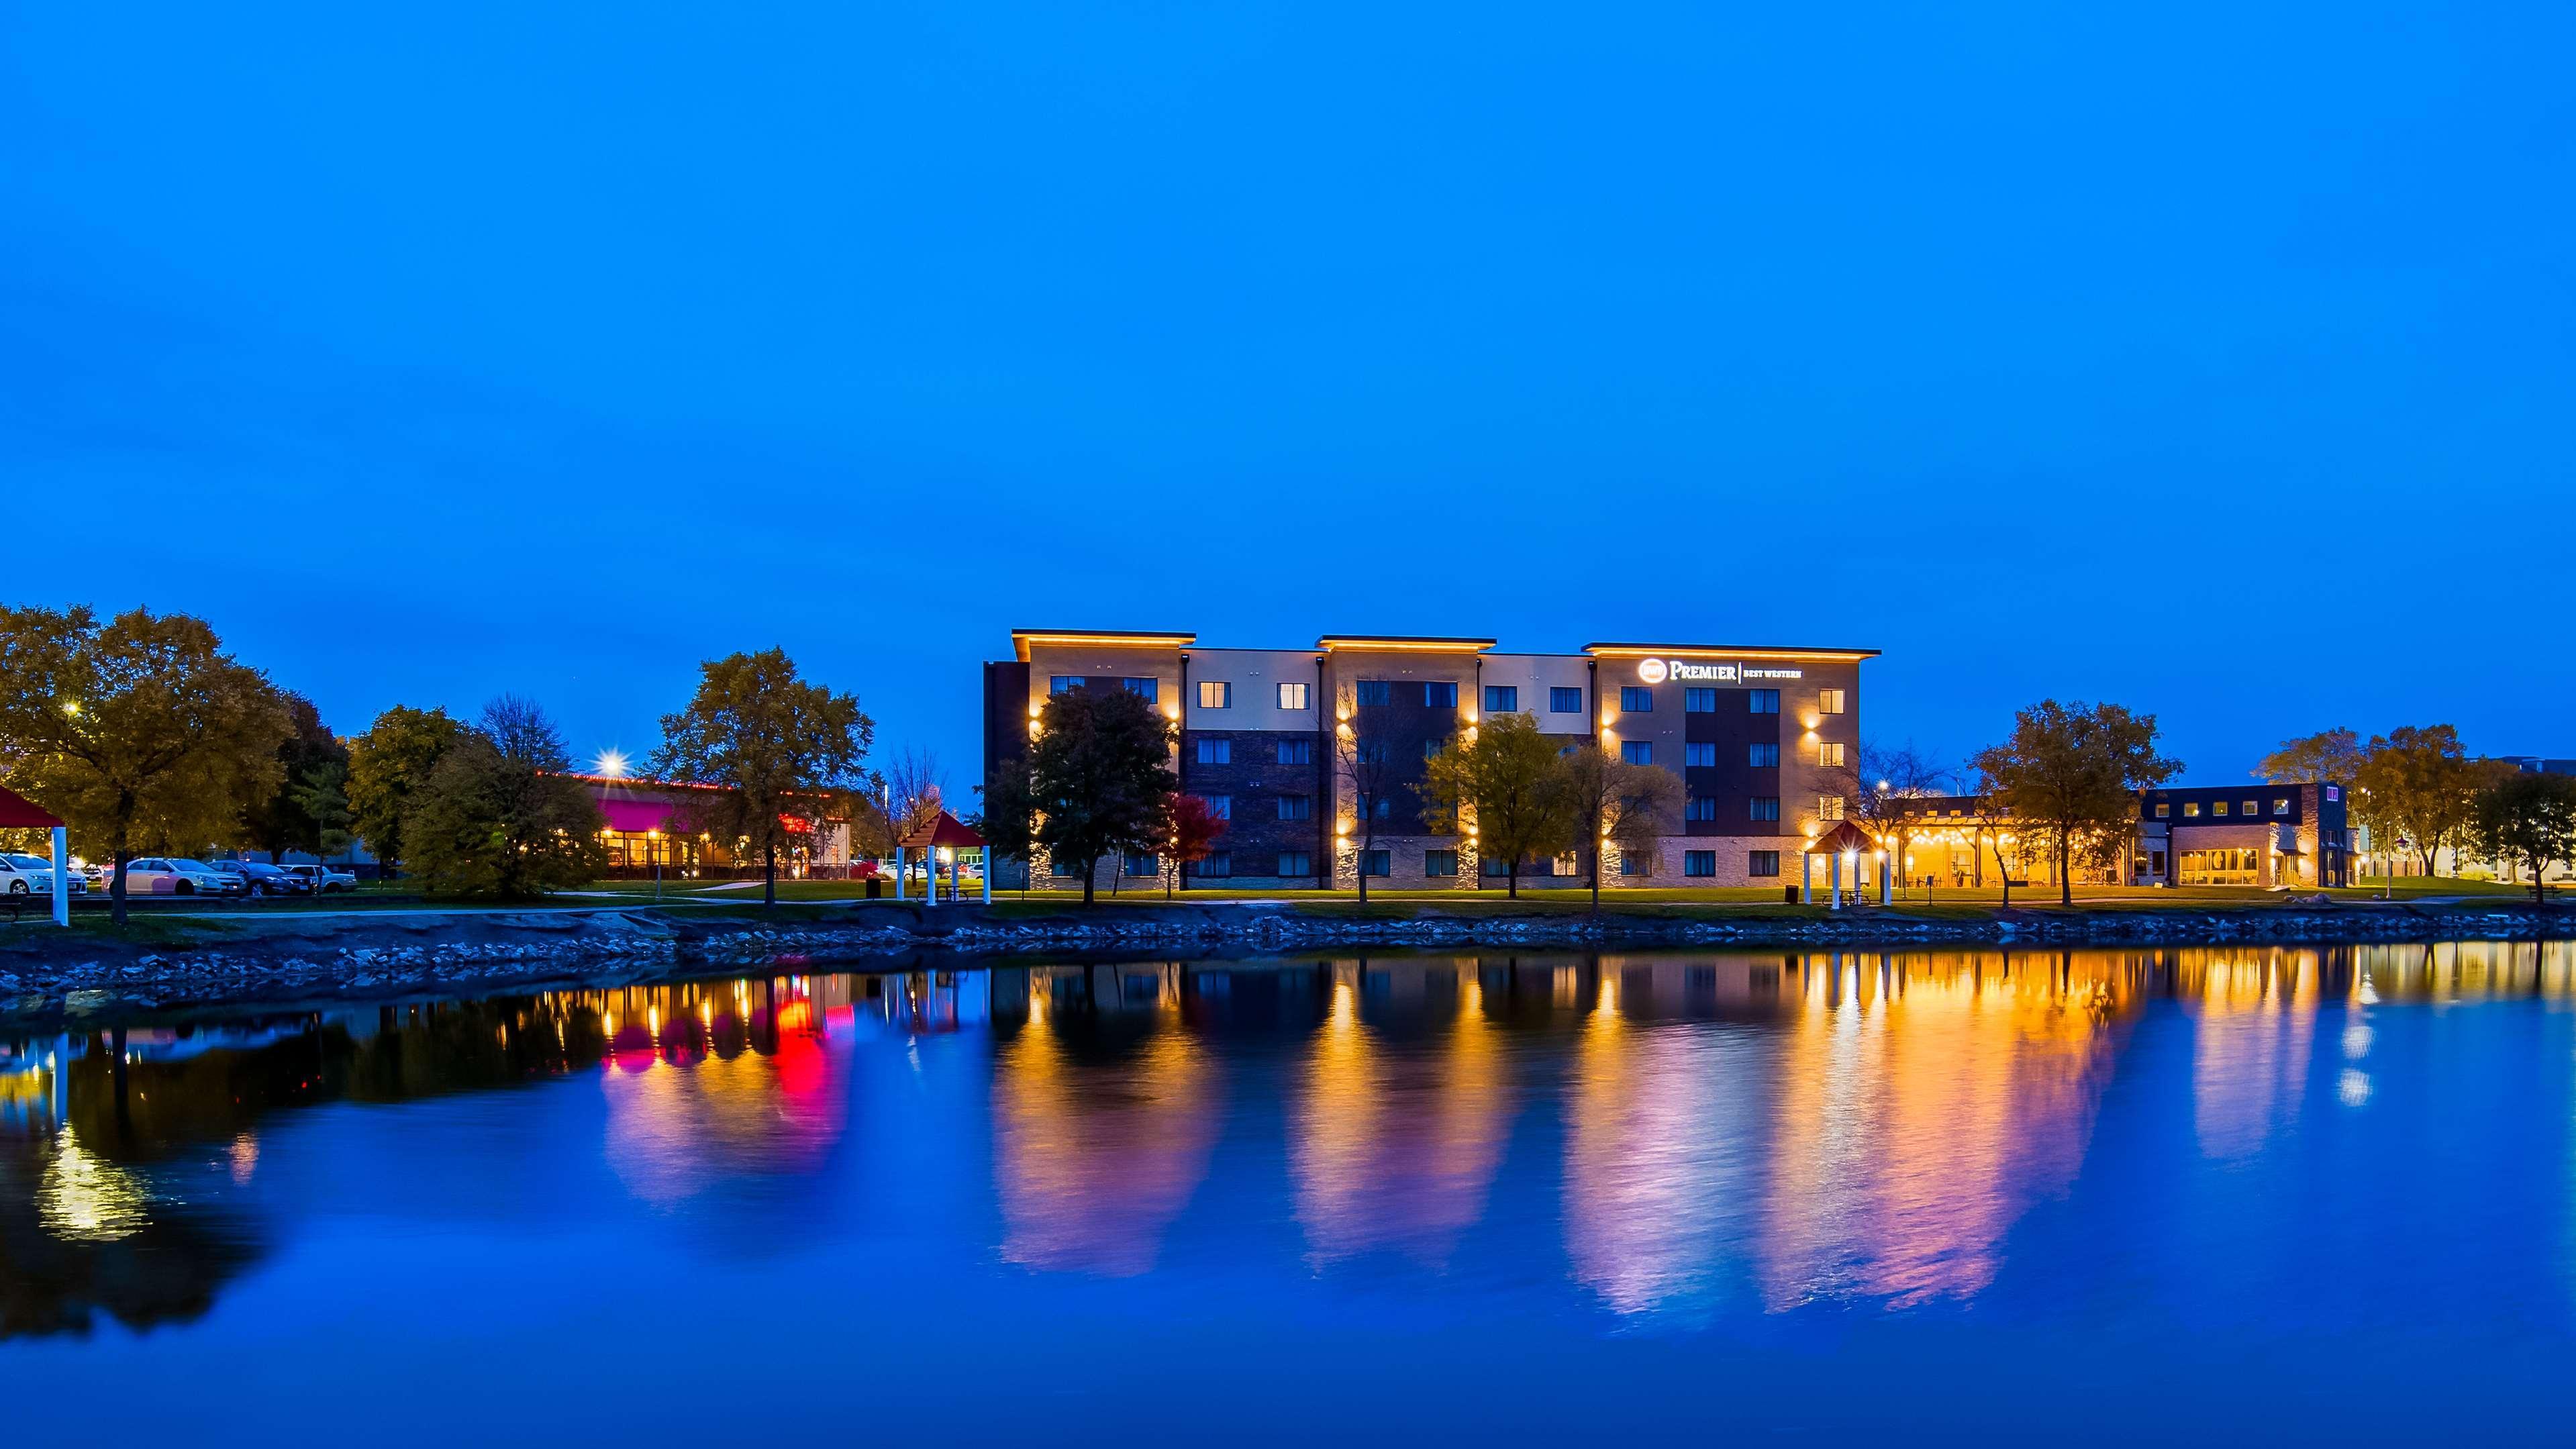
x: 1400, y: 643
x: 1732, y: 651
x: 1021, y: 639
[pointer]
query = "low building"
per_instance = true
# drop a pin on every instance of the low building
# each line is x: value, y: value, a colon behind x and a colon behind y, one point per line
x: 656, y: 822
x: 1765, y: 739
x: 2251, y: 835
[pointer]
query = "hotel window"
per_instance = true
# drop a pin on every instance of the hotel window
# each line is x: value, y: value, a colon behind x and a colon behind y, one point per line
x: 1440, y: 695
x: 1502, y: 699
x: 1636, y: 699
x: 1829, y: 753
x: 1763, y: 701
x: 1144, y: 864
x: 2164, y: 810
x: 1561, y: 700
x: 1637, y: 752
x: 1061, y: 865
x: 1215, y: 694
x: 1294, y: 862
x: 1384, y: 807
x: 1377, y: 862
x: 1763, y: 807
x: 2253, y: 807
x: 1145, y: 687
x: 1433, y: 747
x: 1296, y: 807
x: 1216, y: 752
x: 1702, y: 755
x: 1369, y: 752
x: 1439, y: 862
x: 1568, y: 864
x: 2190, y: 808
x: 1636, y: 862
x: 1220, y: 807
x: 1699, y: 701
x: 1492, y: 865
x: 1829, y: 701
x: 1217, y: 866
x: 1375, y: 691
x: 1699, y: 862
x: 1701, y: 807
x: 1829, y: 807
x: 2217, y: 807
x: 1296, y: 752
x: 1762, y: 862
x: 2281, y: 806
x: 1762, y: 757
x: 1063, y: 683
x: 1292, y: 696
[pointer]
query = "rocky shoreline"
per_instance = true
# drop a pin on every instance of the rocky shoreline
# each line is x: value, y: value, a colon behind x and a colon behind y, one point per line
x: 360, y: 957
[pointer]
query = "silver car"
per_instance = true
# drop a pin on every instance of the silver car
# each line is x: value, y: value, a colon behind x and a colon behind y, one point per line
x: 33, y: 875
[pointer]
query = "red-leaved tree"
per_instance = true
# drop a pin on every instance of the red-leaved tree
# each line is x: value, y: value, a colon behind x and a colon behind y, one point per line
x: 1196, y: 829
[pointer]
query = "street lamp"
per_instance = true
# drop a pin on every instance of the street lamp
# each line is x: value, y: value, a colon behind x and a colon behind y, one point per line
x: 653, y: 847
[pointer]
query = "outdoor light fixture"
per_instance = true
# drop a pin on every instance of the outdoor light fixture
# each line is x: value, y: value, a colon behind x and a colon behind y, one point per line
x: 72, y: 707
x: 612, y: 763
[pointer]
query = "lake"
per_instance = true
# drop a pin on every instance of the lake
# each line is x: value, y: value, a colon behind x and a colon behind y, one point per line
x: 2230, y: 1193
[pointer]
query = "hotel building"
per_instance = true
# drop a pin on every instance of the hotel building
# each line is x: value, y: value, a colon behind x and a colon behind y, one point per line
x: 1764, y: 739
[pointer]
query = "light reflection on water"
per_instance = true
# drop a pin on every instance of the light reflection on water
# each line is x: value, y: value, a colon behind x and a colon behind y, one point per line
x: 1668, y: 1142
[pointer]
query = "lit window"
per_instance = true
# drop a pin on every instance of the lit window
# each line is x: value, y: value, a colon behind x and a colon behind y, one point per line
x: 1440, y: 695
x: 1829, y: 807
x: 1699, y: 756
x: 1762, y: 701
x: 1699, y: 701
x: 1636, y: 699
x: 2281, y: 805
x: 1762, y: 757
x: 1562, y: 700
x: 2253, y: 807
x: 1216, y: 752
x: 1147, y: 687
x: 1763, y: 807
x: 1829, y: 753
x: 1502, y: 699
x: 2190, y: 808
x: 1637, y: 752
x: 1762, y: 862
x: 1375, y: 691
x: 1699, y: 862
x: 2218, y: 807
x: 1296, y: 752
x: 1292, y: 696
x: 1215, y: 694
x: 2164, y: 810
x: 1829, y: 701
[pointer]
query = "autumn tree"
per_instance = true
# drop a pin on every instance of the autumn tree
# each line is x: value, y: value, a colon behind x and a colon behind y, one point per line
x: 1501, y: 790
x: 1100, y: 777
x: 2528, y: 818
x: 1196, y: 831
x: 501, y: 815
x: 313, y: 767
x: 388, y: 765
x: 1613, y: 802
x: 1005, y: 816
x: 2330, y: 755
x: 2417, y: 784
x: 141, y: 732
x: 775, y: 746
x: 2073, y: 772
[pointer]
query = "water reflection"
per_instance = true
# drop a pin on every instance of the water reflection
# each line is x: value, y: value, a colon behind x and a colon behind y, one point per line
x: 1661, y: 1138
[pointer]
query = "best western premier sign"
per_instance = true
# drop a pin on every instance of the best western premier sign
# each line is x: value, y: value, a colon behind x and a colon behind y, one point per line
x: 1656, y: 671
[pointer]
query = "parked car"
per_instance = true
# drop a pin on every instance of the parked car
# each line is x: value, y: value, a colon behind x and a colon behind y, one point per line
x: 322, y: 878
x: 33, y: 875
x: 159, y: 875
x: 261, y: 879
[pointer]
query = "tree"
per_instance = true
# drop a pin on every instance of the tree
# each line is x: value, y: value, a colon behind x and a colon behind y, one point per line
x: 1614, y: 802
x: 1364, y: 764
x: 1100, y: 777
x: 1007, y: 819
x: 322, y: 797
x: 500, y: 815
x: 388, y: 765
x: 140, y: 731
x: 1196, y: 829
x: 1991, y: 821
x: 2416, y: 783
x: 1499, y: 788
x: 913, y: 791
x: 2330, y: 755
x: 2074, y: 772
x: 279, y: 821
x: 773, y: 742
x: 2529, y: 819
x: 1877, y: 782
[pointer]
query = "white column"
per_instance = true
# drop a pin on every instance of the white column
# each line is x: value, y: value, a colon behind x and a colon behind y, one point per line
x: 930, y: 873
x: 1836, y: 899
x: 1884, y: 859
x: 62, y: 879
x: 1806, y: 879
x: 898, y: 872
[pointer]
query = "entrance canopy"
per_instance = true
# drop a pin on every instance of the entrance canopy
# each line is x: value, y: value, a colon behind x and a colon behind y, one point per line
x: 17, y: 812
x: 947, y: 830
x: 1843, y: 837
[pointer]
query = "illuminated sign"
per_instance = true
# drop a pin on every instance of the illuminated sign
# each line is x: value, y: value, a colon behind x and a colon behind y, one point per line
x: 1656, y: 671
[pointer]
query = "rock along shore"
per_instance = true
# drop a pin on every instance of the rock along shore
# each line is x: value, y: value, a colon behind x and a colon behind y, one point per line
x: 249, y: 960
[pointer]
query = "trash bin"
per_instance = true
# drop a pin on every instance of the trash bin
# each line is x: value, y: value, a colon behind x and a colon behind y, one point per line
x: 1789, y: 894
x: 876, y: 887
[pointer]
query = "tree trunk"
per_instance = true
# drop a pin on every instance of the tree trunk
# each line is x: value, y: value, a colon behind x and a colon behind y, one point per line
x: 1090, y: 868
x: 2003, y: 872
x: 1512, y: 880
x: 1596, y: 882
x: 2427, y: 854
x: 2539, y: 870
x: 769, y: 875
x: 122, y: 852
x: 1365, y: 842
x: 2065, y: 870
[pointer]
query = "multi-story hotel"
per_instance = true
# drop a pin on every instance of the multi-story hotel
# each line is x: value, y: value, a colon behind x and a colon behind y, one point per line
x: 1765, y: 740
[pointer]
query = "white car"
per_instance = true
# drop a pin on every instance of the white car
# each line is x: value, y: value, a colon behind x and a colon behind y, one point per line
x: 322, y: 878
x: 33, y: 875
x: 159, y: 875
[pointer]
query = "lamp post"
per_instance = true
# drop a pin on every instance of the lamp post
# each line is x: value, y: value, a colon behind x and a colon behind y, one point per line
x: 653, y: 847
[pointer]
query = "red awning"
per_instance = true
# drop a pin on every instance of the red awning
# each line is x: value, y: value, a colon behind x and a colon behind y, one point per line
x: 946, y: 830
x: 17, y: 812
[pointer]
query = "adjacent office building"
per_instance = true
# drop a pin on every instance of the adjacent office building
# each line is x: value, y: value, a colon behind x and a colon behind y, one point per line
x: 1764, y: 738
x: 2250, y: 835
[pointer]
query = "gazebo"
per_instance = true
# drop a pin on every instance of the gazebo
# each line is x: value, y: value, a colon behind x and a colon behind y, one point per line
x: 17, y: 812
x: 949, y: 834
x: 1844, y: 841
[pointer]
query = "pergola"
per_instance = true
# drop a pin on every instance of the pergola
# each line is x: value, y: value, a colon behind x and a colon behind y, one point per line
x: 17, y: 812
x: 949, y: 834
x: 1845, y: 840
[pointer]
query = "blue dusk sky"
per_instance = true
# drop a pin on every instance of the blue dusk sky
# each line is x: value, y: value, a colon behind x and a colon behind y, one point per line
x: 2211, y: 358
